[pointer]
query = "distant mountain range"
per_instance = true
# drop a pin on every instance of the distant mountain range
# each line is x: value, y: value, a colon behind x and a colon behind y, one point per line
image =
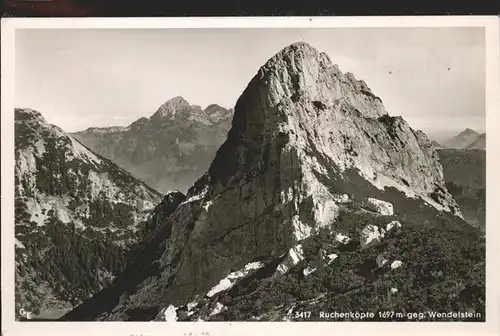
x: 76, y: 214
x: 479, y: 143
x: 169, y: 150
x: 467, y: 139
x: 463, y: 158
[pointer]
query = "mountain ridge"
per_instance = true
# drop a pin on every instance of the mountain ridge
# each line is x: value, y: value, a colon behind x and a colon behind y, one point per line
x: 65, y: 194
x: 479, y: 143
x: 169, y: 150
x: 463, y: 140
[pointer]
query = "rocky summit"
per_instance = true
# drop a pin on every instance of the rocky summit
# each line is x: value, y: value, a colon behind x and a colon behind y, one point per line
x: 171, y: 149
x: 76, y: 215
x: 317, y: 200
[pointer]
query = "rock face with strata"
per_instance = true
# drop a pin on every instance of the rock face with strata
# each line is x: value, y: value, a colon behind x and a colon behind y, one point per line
x: 304, y: 136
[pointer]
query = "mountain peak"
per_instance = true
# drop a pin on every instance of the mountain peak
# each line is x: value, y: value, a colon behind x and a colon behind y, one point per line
x: 170, y: 108
x: 214, y: 108
x: 469, y: 131
x: 299, y: 48
x: 300, y: 74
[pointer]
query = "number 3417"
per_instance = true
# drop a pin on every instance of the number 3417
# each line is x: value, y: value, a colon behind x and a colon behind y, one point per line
x: 302, y: 315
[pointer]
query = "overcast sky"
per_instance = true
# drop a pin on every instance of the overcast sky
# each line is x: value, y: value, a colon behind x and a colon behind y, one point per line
x: 433, y: 77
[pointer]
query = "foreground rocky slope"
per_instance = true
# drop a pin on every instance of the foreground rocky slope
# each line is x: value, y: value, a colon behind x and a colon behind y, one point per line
x: 318, y: 199
x: 170, y: 150
x: 465, y: 176
x: 76, y: 215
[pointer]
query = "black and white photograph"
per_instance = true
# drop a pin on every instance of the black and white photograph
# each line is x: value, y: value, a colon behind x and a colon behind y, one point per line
x: 249, y: 174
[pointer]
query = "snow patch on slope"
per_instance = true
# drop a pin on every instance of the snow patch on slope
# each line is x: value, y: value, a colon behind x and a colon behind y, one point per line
x: 230, y: 280
x: 170, y: 314
x: 219, y: 307
x: 381, y: 182
x: 197, y: 197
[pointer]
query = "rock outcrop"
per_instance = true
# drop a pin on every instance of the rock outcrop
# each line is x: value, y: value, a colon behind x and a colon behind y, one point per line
x: 382, y: 207
x: 307, y: 142
x: 371, y: 235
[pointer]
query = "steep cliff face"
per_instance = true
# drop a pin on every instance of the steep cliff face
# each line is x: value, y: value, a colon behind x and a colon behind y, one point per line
x: 170, y: 150
x: 76, y: 215
x: 311, y: 152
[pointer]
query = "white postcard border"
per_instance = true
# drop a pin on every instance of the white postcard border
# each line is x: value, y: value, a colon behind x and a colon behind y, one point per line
x: 491, y: 327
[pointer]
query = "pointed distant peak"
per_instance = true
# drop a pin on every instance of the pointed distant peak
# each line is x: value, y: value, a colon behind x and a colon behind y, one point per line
x: 469, y: 131
x: 176, y: 102
x: 170, y: 107
x: 217, y: 113
x: 213, y: 106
